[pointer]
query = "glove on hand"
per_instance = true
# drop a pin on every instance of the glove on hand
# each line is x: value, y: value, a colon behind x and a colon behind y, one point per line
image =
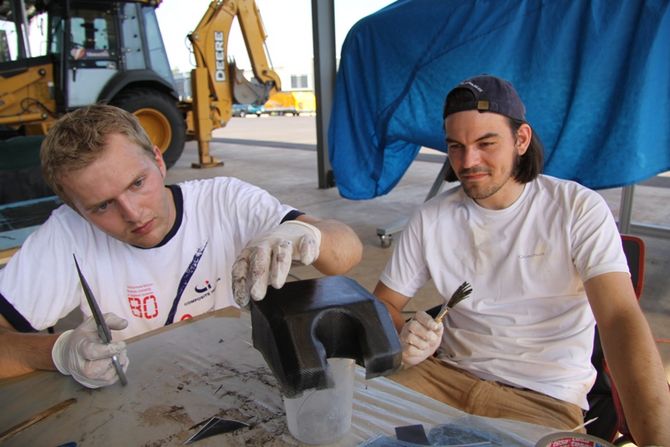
x: 267, y: 259
x: 420, y: 337
x: 81, y: 353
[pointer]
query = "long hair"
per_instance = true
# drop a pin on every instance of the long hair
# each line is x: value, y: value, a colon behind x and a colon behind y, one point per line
x: 529, y: 165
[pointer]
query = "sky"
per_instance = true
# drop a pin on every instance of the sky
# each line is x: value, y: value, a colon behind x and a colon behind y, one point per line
x: 288, y: 24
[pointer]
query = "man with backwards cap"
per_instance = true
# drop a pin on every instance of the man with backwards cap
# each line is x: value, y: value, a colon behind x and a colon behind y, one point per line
x: 544, y: 258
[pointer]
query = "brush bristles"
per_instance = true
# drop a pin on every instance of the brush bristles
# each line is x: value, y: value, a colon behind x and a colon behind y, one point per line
x: 463, y: 291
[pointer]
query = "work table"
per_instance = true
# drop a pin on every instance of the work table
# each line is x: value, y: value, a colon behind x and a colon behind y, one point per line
x: 182, y: 375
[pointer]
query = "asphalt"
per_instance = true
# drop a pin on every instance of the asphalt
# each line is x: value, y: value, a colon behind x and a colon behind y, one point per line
x: 278, y: 153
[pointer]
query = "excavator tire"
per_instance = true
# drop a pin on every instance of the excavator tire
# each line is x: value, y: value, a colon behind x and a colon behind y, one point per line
x: 160, y: 117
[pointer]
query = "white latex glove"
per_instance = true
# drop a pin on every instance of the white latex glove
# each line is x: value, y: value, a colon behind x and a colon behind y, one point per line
x: 420, y: 337
x: 81, y: 353
x: 267, y: 259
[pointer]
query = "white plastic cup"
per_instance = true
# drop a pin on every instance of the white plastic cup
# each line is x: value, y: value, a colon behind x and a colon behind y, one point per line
x: 323, y: 416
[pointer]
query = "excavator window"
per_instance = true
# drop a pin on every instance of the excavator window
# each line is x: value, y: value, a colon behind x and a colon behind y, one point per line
x: 18, y: 42
x: 93, y: 35
x: 5, y: 53
x: 8, y: 33
x: 156, y: 50
x: 56, y: 34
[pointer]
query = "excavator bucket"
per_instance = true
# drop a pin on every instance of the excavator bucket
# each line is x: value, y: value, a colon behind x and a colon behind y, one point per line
x: 246, y: 91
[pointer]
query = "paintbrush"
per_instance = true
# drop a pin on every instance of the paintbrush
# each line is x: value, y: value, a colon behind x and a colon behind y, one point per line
x: 463, y: 291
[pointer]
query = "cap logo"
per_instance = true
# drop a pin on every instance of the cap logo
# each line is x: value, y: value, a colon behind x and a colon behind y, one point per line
x: 473, y: 85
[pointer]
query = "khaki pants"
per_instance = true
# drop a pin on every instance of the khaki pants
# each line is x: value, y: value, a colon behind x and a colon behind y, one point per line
x: 473, y: 395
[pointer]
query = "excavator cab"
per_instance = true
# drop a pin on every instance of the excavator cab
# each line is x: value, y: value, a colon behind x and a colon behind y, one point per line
x: 89, y: 51
x: 58, y: 55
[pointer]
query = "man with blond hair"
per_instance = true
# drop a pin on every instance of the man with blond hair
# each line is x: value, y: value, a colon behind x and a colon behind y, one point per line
x: 152, y: 254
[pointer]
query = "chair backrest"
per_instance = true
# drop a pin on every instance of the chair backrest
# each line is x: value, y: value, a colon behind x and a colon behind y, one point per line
x: 634, y: 249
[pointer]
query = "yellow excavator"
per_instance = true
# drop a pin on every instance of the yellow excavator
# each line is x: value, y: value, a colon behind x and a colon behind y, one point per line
x: 112, y: 51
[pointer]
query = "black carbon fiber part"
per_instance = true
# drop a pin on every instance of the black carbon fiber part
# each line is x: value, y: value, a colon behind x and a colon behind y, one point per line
x: 299, y: 326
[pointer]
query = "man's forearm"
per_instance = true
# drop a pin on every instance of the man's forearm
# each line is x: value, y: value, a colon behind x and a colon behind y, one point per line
x: 394, y: 303
x: 21, y: 353
x: 340, y: 250
x: 640, y: 380
x: 632, y: 356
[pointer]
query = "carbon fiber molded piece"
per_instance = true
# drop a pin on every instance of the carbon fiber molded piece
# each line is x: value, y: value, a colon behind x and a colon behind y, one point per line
x: 299, y: 326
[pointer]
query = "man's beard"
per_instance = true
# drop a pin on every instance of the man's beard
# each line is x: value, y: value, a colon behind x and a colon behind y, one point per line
x: 481, y: 192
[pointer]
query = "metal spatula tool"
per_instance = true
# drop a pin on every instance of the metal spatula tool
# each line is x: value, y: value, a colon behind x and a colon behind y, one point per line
x: 103, y: 330
x: 215, y: 426
x: 463, y: 291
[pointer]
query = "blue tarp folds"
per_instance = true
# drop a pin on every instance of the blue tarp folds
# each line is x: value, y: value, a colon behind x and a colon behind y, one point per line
x: 594, y: 75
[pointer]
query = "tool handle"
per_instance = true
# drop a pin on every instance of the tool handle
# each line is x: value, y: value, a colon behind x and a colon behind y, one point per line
x: 105, y: 335
x: 443, y: 313
x: 119, y: 370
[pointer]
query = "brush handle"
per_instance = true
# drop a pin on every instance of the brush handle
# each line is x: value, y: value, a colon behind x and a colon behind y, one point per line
x: 443, y: 313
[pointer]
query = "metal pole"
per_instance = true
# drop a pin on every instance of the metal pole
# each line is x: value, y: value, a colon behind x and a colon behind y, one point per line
x: 323, y: 35
x: 626, y: 210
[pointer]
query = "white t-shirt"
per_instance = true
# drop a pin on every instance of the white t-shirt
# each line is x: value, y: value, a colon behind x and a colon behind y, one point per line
x: 528, y: 322
x: 188, y: 274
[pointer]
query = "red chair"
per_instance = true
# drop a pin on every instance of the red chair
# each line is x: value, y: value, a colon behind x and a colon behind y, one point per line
x: 634, y: 249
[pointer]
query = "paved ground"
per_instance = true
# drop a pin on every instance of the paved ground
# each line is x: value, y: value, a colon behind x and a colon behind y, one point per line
x: 277, y: 153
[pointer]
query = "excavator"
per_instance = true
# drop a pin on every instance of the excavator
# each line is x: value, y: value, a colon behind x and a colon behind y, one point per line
x: 96, y: 51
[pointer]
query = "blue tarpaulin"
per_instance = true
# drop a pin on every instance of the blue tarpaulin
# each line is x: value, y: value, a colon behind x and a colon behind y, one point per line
x: 594, y: 75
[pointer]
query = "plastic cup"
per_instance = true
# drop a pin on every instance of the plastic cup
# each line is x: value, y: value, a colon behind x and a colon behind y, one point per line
x: 323, y: 416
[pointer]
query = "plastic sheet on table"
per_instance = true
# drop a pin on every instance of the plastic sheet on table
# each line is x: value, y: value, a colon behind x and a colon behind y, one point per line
x: 469, y: 431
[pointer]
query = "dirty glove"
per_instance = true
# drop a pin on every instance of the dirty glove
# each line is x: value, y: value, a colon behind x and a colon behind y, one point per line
x: 267, y: 259
x: 81, y: 353
x: 420, y: 337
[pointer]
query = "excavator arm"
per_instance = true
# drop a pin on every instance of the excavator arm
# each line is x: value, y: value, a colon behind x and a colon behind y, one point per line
x: 216, y: 82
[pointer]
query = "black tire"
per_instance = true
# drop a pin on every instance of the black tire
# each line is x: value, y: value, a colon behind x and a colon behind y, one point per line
x: 160, y: 117
x: 243, y: 113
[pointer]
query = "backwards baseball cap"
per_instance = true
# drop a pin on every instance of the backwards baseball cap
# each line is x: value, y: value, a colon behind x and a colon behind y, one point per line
x: 487, y: 94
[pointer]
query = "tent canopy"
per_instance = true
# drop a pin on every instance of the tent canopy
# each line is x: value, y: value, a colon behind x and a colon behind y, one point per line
x: 594, y: 76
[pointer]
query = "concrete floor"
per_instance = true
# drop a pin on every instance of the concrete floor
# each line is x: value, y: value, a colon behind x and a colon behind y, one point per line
x: 277, y: 153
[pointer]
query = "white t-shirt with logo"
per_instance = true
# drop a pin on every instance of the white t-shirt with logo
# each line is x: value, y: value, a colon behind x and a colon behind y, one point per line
x: 528, y: 322
x: 188, y: 274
